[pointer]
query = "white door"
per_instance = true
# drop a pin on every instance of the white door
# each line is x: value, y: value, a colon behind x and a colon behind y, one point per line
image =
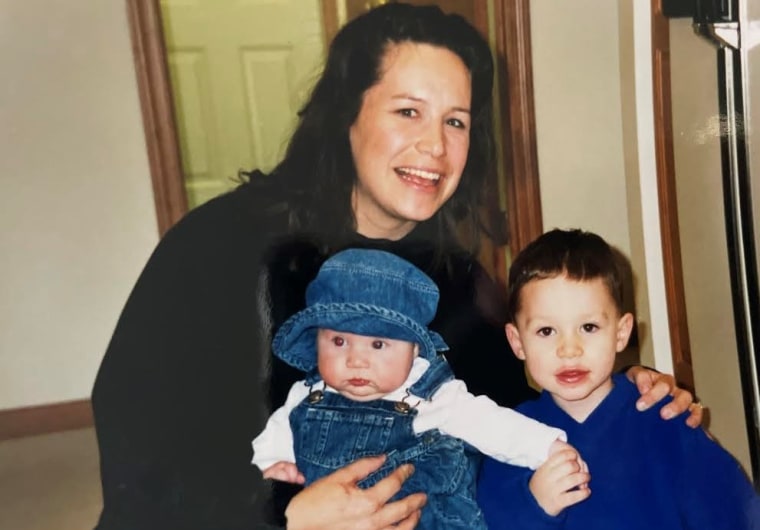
x: 240, y: 71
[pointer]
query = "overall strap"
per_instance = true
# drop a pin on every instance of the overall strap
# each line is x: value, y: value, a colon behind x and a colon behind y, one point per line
x: 320, y: 399
x: 438, y: 373
x: 312, y: 378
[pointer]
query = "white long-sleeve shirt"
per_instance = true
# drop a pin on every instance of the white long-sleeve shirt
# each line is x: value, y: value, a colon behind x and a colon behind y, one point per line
x: 499, y: 432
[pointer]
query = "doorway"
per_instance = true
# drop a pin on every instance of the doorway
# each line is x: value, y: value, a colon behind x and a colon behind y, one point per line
x: 508, y: 27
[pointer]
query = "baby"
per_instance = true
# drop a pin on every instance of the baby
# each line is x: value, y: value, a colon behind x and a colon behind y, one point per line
x: 377, y: 384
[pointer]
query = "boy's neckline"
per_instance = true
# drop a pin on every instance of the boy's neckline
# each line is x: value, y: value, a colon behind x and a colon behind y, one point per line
x: 585, y: 410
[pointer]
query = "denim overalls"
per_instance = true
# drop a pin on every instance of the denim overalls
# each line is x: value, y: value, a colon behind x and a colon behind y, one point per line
x: 330, y: 431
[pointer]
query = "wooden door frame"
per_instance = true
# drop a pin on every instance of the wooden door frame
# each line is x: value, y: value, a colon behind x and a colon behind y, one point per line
x: 159, y: 123
x: 667, y: 198
x: 517, y: 118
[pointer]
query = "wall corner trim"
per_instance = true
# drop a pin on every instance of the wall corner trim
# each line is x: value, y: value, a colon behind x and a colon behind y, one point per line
x: 44, y: 419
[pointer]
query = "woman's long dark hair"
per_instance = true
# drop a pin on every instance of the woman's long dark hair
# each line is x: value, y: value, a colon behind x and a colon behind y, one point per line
x: 317, y: 174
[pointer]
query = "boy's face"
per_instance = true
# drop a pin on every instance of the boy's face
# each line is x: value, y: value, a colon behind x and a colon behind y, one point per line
x: 568, y: 333
x: 363, y: 368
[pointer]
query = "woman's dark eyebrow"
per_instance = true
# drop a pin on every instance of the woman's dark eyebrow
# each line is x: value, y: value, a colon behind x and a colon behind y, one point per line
x: 422, y: 100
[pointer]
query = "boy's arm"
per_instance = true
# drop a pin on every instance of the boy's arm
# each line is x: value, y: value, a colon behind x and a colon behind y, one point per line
x: 499, y: 432
x: 504, y: 496
x: 275, y: 443
x: 713, y: 490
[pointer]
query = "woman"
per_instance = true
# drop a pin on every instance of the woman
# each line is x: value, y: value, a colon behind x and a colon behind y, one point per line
x: 392, y: 151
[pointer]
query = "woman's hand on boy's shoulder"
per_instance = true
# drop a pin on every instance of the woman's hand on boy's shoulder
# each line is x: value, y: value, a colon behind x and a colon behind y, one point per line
x: 654, y: 386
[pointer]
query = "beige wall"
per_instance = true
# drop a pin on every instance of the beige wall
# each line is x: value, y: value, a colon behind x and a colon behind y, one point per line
x: 76, y: 207
x: 587, y: 131
x: 594, y: 119
x: 703, y: 239
x: 578, y: 113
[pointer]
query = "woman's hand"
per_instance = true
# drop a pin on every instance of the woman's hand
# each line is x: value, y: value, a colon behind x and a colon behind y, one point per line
x: 336, y: 502
x: 654, y: 386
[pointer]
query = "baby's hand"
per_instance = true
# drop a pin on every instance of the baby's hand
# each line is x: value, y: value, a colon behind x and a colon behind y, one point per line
x: 285, y: 472
x: 561, y: 481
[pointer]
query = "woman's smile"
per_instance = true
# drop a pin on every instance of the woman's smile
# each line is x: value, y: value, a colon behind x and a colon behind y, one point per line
x: 420, y: 179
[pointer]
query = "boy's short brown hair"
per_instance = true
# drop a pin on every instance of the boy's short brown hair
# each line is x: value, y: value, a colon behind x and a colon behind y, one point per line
x: 574, y: 253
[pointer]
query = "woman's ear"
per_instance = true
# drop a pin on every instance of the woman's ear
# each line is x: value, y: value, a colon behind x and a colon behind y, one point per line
x: 624, y: 328
x: 416, y: 350
x: 513, y: 337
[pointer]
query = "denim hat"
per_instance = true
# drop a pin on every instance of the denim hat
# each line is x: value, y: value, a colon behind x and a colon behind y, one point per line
x: 366, y: 292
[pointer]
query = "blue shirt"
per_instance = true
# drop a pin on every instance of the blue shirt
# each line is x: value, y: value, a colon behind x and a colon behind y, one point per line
x: 646, y: 473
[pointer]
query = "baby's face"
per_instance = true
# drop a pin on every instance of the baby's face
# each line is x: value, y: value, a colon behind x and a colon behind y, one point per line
x: 363, y: 368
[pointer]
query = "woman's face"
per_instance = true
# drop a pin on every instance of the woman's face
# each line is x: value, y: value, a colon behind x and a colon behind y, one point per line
x: 410, y: 139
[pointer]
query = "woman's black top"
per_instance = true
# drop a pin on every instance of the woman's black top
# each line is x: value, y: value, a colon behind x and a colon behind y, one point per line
x: 188, y: 379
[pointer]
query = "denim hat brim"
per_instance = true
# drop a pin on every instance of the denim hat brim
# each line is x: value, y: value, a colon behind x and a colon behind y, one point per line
x: 296, y: 340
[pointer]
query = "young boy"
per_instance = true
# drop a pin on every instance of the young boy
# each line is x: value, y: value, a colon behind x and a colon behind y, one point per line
x: 376, y: 384
x: 567, y: 322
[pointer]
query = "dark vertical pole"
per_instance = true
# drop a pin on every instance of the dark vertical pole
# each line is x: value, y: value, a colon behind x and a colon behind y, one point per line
x: 720, y: 21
